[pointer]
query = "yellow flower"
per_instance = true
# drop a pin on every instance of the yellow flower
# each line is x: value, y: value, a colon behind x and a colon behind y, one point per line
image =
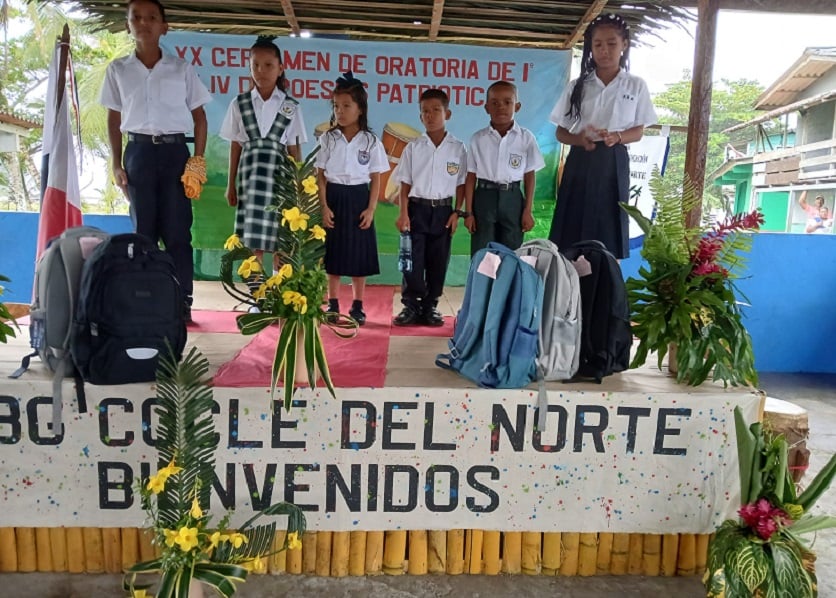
x: 295, y: 219
x: 293, y: 541
x: 317, y: 232
x: 216, y: 538
x: 169, y: 470
x: 286, y: 271
x: 186, y: 538
x: 233, y: 242
x: 170, y: 537
x: 256, y: 564
x: 141, y: 594
x: 261, y: 291
x: 309, y: 185
x: 273, y: 281
x: 156, y: 484
x: 196, y: 511
x: 289, y: 297
x: 301, y: 304
x: 237, y: 540
x: 249, y: 267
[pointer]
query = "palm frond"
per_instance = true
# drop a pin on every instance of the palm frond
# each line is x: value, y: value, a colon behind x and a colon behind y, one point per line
x: 185, y: 433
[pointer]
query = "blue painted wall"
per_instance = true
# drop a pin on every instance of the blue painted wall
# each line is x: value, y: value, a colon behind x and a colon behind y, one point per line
x: 791, y: 286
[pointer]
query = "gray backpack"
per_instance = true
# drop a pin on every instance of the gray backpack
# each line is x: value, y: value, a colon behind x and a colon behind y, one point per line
x: 560, y: 321
x: 57, y: 280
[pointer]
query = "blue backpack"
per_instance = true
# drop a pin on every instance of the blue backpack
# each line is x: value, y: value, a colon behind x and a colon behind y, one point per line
x: 497, y: 328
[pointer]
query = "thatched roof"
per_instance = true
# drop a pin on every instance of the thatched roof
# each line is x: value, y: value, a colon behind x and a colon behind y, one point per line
x: 532, y: 23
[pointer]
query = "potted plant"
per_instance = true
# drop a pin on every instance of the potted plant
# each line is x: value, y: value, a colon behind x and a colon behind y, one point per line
x: 763, y: 553
x: 293, y: 296
x: 194, y: 551
x: 6, y: 331
x: 685, y: 295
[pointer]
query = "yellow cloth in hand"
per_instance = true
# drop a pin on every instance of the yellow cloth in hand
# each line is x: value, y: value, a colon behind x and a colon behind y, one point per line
x: 194, y: 176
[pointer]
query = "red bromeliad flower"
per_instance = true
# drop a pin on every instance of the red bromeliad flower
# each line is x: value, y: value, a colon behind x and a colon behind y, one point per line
x: 704, y: 257
x: 763, y: 518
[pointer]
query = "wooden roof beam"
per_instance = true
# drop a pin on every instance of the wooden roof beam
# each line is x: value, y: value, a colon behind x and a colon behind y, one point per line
x: 593, y: 11
x: 290, y: 15
x: 435, y: 22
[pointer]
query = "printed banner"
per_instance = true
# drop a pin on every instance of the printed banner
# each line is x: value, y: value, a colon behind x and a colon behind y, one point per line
x: 384, y: 459
x: 395, y: 73
x: 646, y: 154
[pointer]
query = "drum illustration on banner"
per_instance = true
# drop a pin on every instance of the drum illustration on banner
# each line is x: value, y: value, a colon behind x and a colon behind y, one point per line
x: 321, y: 128
x: 395, y: 137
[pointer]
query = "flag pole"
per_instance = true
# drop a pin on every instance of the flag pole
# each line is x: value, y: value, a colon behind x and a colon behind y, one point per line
x: 63, y: 43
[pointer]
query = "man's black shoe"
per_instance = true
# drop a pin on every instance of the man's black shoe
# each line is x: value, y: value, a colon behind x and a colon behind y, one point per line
x: 407, y: 317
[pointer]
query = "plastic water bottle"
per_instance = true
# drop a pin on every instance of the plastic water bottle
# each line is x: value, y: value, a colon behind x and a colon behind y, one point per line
x: 405, y: 252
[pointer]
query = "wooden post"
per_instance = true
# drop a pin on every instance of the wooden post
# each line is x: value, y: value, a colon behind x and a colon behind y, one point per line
x: 700, y: 111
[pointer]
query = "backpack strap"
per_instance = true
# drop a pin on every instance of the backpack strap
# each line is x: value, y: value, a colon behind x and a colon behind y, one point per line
x: 24, y: 365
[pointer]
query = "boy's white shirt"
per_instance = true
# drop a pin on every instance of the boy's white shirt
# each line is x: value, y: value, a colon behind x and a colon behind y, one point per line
x: 433, y: 172
x: 504, y: 159
x: 154, y: 101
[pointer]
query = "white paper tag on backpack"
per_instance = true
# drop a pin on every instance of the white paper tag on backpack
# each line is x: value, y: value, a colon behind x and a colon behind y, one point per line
x: 489, y: 265
x: 583, y: 267
x: 530, y: 260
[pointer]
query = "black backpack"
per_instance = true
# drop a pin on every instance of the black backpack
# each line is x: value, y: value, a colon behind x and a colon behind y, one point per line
x: 130, y: 307
x: 605, y: 334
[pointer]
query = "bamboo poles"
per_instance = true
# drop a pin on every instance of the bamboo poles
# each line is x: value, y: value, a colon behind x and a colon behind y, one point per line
x: 357, y: 553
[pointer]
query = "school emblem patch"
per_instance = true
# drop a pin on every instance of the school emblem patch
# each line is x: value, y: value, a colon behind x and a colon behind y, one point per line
x: 288, y: 109
x: 363, y: 157
x: 515, y: 161
x: 452, y: 168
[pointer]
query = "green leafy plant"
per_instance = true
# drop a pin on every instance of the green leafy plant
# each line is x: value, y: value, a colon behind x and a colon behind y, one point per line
x: 685, y: 293
x: 293, y: 295
x: 762, y: 554
x: 177, y: 496
x: 6, y: 331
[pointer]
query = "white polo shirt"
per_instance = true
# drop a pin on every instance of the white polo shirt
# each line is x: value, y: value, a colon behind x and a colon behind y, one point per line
x: 350, y: 163
x: 623, y: 104
x: 153, y: 101
x: 433, y: 172
x: 232, y: 128
x: 503, y: 159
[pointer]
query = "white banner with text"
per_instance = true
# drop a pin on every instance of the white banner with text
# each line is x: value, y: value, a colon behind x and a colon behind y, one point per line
x: 384, y: 459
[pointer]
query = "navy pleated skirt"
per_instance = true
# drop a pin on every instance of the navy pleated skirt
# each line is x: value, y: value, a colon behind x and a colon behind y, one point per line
x: 349, y: 250
x: 593, y: 184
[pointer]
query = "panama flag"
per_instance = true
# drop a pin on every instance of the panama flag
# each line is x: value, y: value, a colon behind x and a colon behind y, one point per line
x: 60, y: 196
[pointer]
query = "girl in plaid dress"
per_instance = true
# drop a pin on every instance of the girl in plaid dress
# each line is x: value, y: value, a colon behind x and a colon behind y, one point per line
x: 262, y: 125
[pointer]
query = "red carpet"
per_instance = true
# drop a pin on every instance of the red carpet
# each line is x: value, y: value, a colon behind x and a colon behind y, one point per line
x: 356, y: 362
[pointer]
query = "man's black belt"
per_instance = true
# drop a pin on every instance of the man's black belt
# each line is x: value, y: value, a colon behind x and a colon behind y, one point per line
x: 433, y: 203
x: 157, y: 139
x: 485, y: 184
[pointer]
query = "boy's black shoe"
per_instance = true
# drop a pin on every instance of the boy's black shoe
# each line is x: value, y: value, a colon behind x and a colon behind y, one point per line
x: 407, y: 317
x: 187, y: 312
x: 433, y: 317
x: 357, y: 313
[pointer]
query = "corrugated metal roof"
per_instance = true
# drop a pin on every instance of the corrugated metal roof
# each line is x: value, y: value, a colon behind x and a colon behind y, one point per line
x: 788, y: 88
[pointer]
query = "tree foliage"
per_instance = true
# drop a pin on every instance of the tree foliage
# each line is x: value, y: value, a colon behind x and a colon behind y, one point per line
x: 732, y: 102
x: 29, y: 32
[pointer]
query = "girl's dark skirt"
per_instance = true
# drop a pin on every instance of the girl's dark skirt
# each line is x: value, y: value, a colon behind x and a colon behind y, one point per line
x: 349, y: 250
x: 593, y: 184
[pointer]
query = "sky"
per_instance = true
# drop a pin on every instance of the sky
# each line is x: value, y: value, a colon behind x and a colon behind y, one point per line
x: 759, y: 46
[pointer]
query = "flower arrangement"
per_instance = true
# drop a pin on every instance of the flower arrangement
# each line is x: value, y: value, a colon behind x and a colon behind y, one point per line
x: 293, y: 295
x: 191, y: 548
x: 763, y: 554
x: 685, y: 294
x: 6, y: 331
